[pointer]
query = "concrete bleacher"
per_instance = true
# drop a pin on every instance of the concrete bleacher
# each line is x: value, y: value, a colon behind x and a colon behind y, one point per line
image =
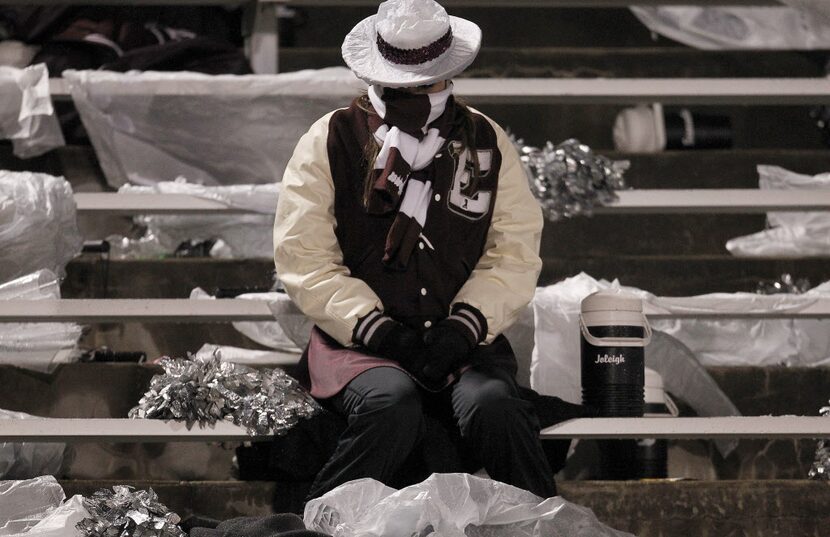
x: 759, y: 490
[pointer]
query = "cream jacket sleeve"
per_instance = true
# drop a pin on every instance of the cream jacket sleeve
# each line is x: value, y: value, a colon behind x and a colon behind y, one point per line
x: 307, y: 256
x: 504, y: 280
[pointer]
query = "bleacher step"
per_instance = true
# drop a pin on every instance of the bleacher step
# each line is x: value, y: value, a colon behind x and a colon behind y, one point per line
x: 669, y: 169
x: 773, y: 508
x: 100, y: 390
x: 89, y: 276
x: 574, y: 62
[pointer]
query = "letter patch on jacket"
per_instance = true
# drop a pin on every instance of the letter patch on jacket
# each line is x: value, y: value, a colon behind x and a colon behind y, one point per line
x: 469, y: 196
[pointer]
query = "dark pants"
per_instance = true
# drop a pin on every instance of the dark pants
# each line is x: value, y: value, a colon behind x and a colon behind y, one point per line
x: 384, y: 409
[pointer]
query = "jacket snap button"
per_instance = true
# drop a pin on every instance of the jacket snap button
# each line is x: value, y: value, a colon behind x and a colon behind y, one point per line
x: 438, y: 197
x: 428, y: 324
x: 423, y: 292
x: 421, y: 245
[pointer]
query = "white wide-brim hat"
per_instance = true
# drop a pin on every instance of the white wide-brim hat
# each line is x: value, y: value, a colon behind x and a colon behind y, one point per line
x: 361, y: 53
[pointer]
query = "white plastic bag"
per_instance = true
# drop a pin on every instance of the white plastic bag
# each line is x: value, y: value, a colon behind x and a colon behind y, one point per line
x: 17, y: 53
x: 24, y: 460
x: 60, y: 522
x: 241, y: 235
x: 819, y: 9
x: 448, y: 505
x: 37, y: 346
x: 149, y: 126
x: 813, y: 336
x: 25, y: 503
x: 238, y: 355
x: 555, y: 369
x: 268, y: 333
x: 790, y: 234
x: 729, y: 27
x: 26, y: 114
x: 37, y: 224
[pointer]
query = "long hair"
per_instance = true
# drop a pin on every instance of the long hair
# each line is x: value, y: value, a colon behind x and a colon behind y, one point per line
x: 465, y: 124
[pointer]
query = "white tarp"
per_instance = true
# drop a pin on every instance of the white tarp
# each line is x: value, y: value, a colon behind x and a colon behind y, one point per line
x: 555, y: 368
x: 36, y: 346
x: 25, y: 460
x: 272, y: 334
x: 241, y: 235
x: 448, y: 505
x: 819, y: 9
x: 27, y: 117
x: 727, y: 27
x: 38, y: 229
x: 35, y: 508
x: 212, y: 129
x: 24, y: 503
x: 238, y: 355
x: 790, y: 234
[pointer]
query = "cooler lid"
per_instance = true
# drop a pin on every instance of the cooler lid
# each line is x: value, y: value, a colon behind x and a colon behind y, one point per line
x: 611, y: 300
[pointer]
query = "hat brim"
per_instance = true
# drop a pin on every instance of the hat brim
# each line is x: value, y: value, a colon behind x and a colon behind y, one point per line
x: 361, y: 54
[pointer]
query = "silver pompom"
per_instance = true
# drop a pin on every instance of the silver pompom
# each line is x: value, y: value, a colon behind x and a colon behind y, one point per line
x: 785, y: 284
x: 569, y: 179
x: 821, y: 466
x: 125, y: 512
x: 206, y: 390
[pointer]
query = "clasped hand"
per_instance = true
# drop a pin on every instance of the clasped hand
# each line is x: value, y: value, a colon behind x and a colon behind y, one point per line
x: 430, y: 358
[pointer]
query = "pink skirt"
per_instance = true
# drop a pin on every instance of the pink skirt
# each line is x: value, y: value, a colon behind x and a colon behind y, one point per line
x: 331, y: 366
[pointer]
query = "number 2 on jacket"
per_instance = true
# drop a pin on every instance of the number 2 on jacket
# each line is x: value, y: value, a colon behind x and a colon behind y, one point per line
x: 467, y: 198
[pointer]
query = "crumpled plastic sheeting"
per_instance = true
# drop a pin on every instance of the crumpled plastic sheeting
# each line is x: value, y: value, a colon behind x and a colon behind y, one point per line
x: 37, y: 346
x: 685, y: 378
x: 296, y: 326
x: 819, y: 9
x: 27, y: 117
x: 729, y: 27
x: 24, y: 503
x: 556, y: 371
x: 786, y: 283
x: 60, y: 522
x: 207, y: 390
x: 243, y: 235
x: 448, y: 505
x: 35, y: 508
x: 125, y: 512
x: 271, y: 334
x: 18, y: 54
x: 790, y: 234
x: 212, y: 129
x: 24, y: 460
x: 37, y: 224
x: 820, y: 469
x: 237, y: 355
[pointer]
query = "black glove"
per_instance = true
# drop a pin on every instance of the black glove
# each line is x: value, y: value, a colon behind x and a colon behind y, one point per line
x: 387, y: 337
x: 401, y: 344
x: 445, y: 346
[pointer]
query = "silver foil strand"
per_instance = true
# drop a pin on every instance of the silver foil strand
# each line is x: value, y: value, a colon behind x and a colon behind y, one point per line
x: 569, y: 179
x: 206, y: 390
x: 821, y: 466
x: 125, y: 512
x: 785, y: 284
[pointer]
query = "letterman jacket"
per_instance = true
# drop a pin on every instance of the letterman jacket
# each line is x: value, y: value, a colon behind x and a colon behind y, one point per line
x: 477, y: 259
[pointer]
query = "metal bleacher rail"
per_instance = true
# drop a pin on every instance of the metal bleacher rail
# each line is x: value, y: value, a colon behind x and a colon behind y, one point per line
x: 262, y: 48
x: 708, y: 91
x: 641, y: 201
x: 132, y: 430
